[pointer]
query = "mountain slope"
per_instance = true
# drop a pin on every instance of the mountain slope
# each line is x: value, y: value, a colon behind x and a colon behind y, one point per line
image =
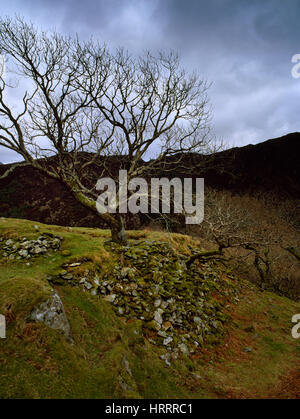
x: 268, y: 167
x: 112, y: 355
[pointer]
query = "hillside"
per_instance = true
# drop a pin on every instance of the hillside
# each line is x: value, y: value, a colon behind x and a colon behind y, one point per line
x: 134, y: 321
x: 271, y: 167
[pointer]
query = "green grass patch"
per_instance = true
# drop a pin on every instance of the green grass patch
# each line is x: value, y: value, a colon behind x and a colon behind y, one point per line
x: 109, y: 356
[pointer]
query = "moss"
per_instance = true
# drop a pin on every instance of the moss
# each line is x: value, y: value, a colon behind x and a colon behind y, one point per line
x: 19, y: 296
x: 65, y: 253
x: 112, y: 356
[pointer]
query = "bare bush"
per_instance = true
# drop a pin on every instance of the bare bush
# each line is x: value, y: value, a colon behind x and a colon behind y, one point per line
x: 252, y: 238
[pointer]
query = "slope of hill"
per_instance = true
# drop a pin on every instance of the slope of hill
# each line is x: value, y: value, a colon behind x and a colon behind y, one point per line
x: 268, y: 167
x: 111, y: 352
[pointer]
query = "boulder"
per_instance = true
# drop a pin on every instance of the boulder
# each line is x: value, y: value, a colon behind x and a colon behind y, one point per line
x: 52, y: 314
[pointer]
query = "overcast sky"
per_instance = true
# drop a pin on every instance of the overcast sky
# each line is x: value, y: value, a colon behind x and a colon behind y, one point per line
x: 243, y: 47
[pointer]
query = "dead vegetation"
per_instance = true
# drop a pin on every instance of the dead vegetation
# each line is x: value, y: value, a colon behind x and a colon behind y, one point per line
x: 253, y: 236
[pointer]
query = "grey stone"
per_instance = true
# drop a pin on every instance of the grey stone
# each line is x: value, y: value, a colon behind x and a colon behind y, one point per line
x: 124, y: 271
x: 67, y: 277
x: 52, y: 314
x: 158, y: 316
x: 164, y: 304
x: 96, y: 281
x: 184, y: 349
x: 23, y: 253
x: 157, y: 302
x: 37, y: 250
x: 167, y: 340
x: 166, y: 358
x: 110, y: 298
x: 72, y: 265
x: 197, y: 320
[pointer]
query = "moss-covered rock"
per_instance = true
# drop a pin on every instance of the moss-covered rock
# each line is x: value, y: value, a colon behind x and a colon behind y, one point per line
x: 177, y: 306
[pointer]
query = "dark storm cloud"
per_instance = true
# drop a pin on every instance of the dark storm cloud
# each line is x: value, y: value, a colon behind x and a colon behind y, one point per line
x: 118, y: 22
x: 257, y: 30
x: 243, y: 47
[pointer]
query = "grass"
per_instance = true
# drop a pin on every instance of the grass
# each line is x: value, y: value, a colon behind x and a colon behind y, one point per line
x: 109, y: 357
x: 274, y: 354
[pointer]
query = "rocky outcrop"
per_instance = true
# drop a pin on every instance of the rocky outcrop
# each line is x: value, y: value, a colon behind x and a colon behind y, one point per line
x: 52, y: 314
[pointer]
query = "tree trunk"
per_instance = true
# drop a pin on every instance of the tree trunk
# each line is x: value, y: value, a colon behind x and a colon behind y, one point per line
x: 118, y: 235
x: 114, y: 221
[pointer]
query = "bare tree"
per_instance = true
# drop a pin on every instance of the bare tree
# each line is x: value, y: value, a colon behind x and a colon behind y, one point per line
x: 79, y: 97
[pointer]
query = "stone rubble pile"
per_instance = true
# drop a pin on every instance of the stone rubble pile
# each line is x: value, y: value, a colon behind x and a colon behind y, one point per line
x: 176, y: 305
x: 26, y: 249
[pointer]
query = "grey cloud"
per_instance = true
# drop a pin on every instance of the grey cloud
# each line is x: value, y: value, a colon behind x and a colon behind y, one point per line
x: 243, y: 47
